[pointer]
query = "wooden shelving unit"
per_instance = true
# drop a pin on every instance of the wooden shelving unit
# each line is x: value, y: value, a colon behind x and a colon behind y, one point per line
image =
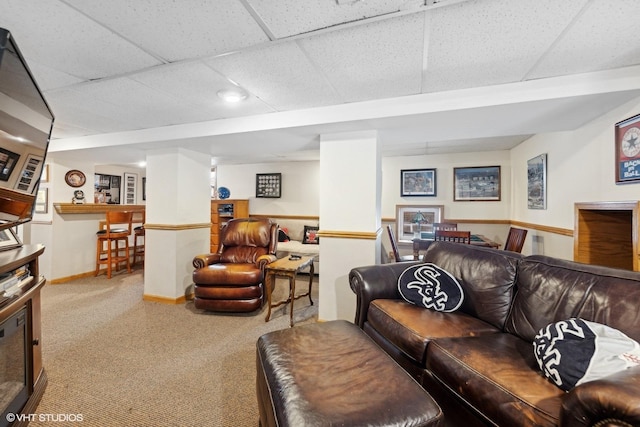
x: 221, y: 212
x: 606, y: 233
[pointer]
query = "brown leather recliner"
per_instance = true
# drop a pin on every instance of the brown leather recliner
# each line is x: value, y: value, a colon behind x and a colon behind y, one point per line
x: 232, y: 279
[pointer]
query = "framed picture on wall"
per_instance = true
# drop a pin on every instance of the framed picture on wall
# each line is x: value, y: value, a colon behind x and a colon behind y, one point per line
x: 537, y: 182
x: 269, y: 185
x: 8, y: 161
x: 412, y: 220
x: 627, y: 135
x: 42, y: 201
x: 130, y: 188
x: 30, y: 173
x: 417, y: 182
x: 478, y: 183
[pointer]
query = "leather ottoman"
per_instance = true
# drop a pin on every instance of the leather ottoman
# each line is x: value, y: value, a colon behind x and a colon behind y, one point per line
x: 333, y: 374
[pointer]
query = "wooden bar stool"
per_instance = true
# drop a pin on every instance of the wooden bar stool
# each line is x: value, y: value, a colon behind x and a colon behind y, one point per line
x: 118, y: 229
x: 138, y: 249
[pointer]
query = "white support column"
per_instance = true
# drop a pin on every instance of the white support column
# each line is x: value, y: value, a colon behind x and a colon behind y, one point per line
x: 177, y: 220
x: 350, y: 216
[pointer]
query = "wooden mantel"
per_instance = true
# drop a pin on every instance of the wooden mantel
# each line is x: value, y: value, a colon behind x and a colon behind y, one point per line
x: 94, y: 208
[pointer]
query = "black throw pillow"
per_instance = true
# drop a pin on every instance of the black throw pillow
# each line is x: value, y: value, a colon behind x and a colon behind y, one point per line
x: 429, y: 286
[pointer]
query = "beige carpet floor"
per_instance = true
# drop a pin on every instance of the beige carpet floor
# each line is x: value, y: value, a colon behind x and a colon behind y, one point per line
x: 116, y: 360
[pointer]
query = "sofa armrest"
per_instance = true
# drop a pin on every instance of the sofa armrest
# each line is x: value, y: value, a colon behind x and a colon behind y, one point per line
x: 203, y: 260
x: 611, y: 401
x: 375, y: 282
x: 264, y: 260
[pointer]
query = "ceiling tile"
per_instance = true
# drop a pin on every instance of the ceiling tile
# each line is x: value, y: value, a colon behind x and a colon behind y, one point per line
x: 292, y: 17
x: 377, y: 60
x: 605, y: 36
x: 491, y: 42
x: 176, y: 30
x: 68, y: 42
x: 280, y: 75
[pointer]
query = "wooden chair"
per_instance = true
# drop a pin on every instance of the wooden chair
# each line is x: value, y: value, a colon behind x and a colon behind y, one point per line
x: 394, y: 247
x: 454, y: 236
x: 117, y: 229
x: 445, y: 226
x: 138, y: 248
x: 515, y: 239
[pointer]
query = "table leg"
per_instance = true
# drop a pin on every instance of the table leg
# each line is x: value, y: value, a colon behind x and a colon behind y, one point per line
x: 292, y: 296
x: 269, y: 288
x: 311, y: 273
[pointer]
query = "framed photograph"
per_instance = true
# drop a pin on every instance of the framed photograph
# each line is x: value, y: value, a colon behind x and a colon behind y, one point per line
x: 42, y: 201
x: 411, y: 220
x: 44, y: 177
x: 130, y: 188
x: 106, y: 189
x: 474, y: 184
x: 417, y: 182
x: 30, y: 173
x: 310, y: 235
x: 8, y: 161
x: 268, y: 185
x: 8, y: 240
x: 627, y: 135
x: 144, y: 188
x: 75, y: 178
x: 537, y: 182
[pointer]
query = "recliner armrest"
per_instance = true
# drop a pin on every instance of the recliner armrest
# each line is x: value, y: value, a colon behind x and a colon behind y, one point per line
x: 375, y: 282
x: 264, y: 260
x: 610, y: 401
x: 201, y: 261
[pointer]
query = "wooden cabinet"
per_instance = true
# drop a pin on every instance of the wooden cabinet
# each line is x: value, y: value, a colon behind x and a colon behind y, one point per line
x: 221, y: 212
x: 606, y: 233
x: 22, y: 303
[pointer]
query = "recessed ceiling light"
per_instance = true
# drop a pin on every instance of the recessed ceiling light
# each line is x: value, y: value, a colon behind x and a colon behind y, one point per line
x: 232, y: 95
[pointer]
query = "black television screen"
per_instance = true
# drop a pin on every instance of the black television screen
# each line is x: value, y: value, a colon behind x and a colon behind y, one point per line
x: 26, y: 122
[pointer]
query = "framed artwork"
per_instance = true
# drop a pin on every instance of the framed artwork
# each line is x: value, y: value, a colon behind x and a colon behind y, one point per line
x: 130, y: 188
x: 106, y: 189
x: 8, y: 161
x: 627, y: 136
x: 537, y: 182
x: 310, y: 235
x: 42, y: 201
x: 30, y: 174
x: 44, y: 177
x: 478, y: 183
x: 411, y: 220
x: 417, y: 182
x: 8, y: 240
x: 268, y: 185
x: 144, y: 188
x: 75, y: 178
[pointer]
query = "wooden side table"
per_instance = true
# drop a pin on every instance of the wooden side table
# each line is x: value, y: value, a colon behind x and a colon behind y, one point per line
x: 287, y: 268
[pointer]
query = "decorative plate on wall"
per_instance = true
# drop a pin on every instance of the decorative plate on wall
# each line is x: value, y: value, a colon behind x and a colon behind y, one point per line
x: 224, y: 193
x: 75, y: 178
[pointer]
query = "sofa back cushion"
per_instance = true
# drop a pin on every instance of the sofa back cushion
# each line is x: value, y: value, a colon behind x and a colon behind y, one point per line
x: 487, y: 277
x: 551, y: 289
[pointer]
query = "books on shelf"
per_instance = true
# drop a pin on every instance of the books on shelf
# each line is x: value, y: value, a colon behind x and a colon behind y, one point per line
x: 12, y: 282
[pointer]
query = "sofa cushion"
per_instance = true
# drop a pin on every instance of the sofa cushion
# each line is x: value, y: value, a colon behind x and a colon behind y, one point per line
x: 431, y: 287
x: 496, y: 374
x: 487, y: 277
x: 550, y: 290
x: 411, y: 328
x: 575, y: 351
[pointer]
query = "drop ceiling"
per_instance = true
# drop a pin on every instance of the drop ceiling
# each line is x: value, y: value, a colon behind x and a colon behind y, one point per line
x: 124, y: 77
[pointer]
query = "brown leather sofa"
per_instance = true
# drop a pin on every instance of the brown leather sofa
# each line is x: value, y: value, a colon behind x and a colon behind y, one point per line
x: 232, y: 279
x: 478, y: 362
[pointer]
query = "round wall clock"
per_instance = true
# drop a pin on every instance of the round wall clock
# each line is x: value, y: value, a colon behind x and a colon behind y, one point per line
x: 75, y: 178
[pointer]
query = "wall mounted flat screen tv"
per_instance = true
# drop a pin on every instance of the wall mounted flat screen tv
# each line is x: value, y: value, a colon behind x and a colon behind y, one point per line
x: 26, y: 122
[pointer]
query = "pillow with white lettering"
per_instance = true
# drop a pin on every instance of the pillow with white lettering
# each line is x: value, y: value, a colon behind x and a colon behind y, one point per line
x: 429, y: 286
x: 575, y: 351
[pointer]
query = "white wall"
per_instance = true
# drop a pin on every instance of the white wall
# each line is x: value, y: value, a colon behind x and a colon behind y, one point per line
x: 580, y: 168
x: 300, y: 187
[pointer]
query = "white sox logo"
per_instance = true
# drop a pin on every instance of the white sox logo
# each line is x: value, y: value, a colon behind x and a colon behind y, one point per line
x: 548, y: 354
x: 429, y: 286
